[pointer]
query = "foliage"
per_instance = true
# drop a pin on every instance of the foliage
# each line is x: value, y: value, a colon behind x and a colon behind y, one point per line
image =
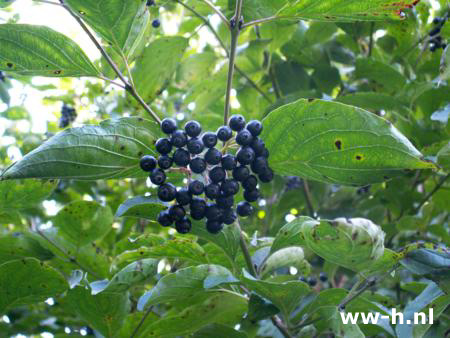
x: 354, y: 99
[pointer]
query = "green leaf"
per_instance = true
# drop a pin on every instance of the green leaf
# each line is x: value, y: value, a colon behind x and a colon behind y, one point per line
x: 443, y: 157
x: 121, y: 24
x: 39, y: 50
x: 289, y: 234
x: 105, y: 312
x: 185, y: 283
x: 259, y: 308
x: 220, y: 308
x: 286, y: 296
x: 353, y: 147
x: 373, y: 101
x: 382, y: 73
x: 218, y: 331
x: 28, y: 281
x: 21, y: 245
x: 287, y: 257
x: 336, y: 10
x: 83, y: 222
x: 111, y: 150
x: 149, y: 76
x: 5, y: 3
x: 24, y: 194
x: 141, y: 207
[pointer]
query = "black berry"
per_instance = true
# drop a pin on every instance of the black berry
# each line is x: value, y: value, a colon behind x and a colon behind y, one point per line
x: 312, y: 281
x: 237, y: 122
x: 213, y: 212
x: 177, y: 212
x: 163, y: 146
x: 244, y: 209
x: 214, y: 227
x: 165, y: 219
x: 229, y: 216
x: 212, y: 191
x: 303, y: 279
x: 148, y: 163
x: 197, y: 165
x: 209, y: 139
x: 213, y: 156
x: 229, y: 187
x: 245, y: 155
x: 229, y: 162
x: 196, y: 187
x: 183, y: 226
x: 259, y: 165
x: 225, y: 202
x: 181, y: 157
x: 198, y: 208
x: 195, y: 146
x: 217, y: 174
x: 168, y: 125
x: 183, y: 196
x: 251, y: 195
x: 157, y: 176
x: 266, y: 176
x: 150, y: 3
x: 193, y: 128
x: 156, y: 23
x: 179, y: 138
x: 323, y: 277
x: 254, y: 127
x: 241, y: 173
x: 165, y: 162
x: 167, y: 192
x: 244, y: 138
x: 250, y: 183
x: 258, y: 146
x: 224, y: 133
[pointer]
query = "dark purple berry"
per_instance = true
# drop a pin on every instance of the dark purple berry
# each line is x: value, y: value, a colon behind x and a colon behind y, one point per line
x: 251, y: 195
x: 213, y: 212
x: 193, y: 128
x: 254, y: 127
x: 229, y: 162
x: 157, y: 176
x: 245, y: 155
x: 196, y: 187
x: 244, y: 138
x: 229, y: 216
x: 195, y: 146
x: 214, y: 227
x: 229, y: 187
x: 198, y: 208
x: 177, y: 212
x: 258, y: 146
x: 225, y: 202
x: 156, y: 23
x: 197, y: 165
x: 183, y: 226
x: 250, y: 183
x: 165, y: 219
x: 181, y: 157
x: 163, y: 146
x: 178, y: 138
x: 312, y: 281
x: 183, y: 196
x: 212, y: 191
x: 259, y: 165
x: 237, y: 122
x: 148, y: 163
x: 244, y: 209
x: 241, y: 173
x: 323, y: 277
x: 209, y: 139
x: 217, y: 174
x: 165, y: 162
x: 213, y: 156
x: 224, y: 133
x: 435, y: 31
x: 168, y: 125
x: 150, y: 3
x: 167, y: 192
x: 266, y: 175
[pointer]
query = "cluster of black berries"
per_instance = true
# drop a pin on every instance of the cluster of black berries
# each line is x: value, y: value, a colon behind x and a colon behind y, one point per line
x: 220, y: 175
x: 435, y: 34
x: 312, y: 281
x: 155, y: 23
x: 68, y: 115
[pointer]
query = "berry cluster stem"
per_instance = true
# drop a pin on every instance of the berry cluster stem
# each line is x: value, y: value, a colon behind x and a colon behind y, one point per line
x: 128, y: 87
x: 235, y: 29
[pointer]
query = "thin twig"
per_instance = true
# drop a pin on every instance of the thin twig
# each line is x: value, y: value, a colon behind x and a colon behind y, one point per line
x: 111, y: 81
x: 136, y: 330
x: 372, y: 27
x: 280, y: 325
x: 131, y: 89
x: 248, y: 259
x: 432, y: 192
x: 265, y: 20
x: 308, y: 198
x: 235, y: 29
x: 218, y: 12
x: 47, y: 2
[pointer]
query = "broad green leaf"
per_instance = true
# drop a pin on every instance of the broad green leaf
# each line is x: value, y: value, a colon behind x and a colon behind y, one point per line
x: 287, y: 257
x: 340, y: 329
x: 39, y: 50
x: 286, y: 296
x: 220, y: 308
x: 22, y: 245
x: 383, y: 74
x: 218, y: 331
x: 289, y: 234
x: 183, y: 249
x: 28, y: 281
x: 259, y: 308
x: 445, y: 64
x: 141, y: 207
x: 83, y: 222
x: 149, y: 75
x: 185, y: 283
x: 335, y: 143
x: 109, y: 150
x: 105, y: 312
x: 336, y: 10
x: 20, y: 195
x: 5, y: 3
x: 120, y: 23
x: 372, y: 101
x: 443, y: 157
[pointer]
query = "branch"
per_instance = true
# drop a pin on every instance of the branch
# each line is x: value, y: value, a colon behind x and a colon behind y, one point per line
x: 432, y: 192
x: 308, y: 198
x: 131, y: 89
x: 248, y: 259
x: 218, y: 12
x: 280, y: 326
x: 136, y: 330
